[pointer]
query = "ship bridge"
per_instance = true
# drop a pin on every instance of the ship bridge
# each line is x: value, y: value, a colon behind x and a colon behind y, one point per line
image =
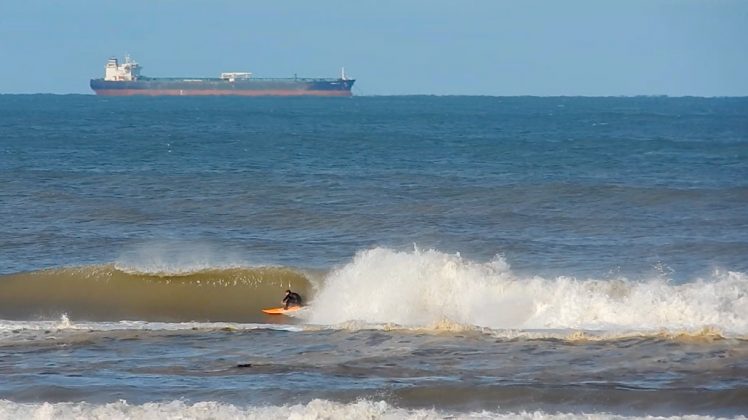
x: 233, y: 76
x: 127, y: 71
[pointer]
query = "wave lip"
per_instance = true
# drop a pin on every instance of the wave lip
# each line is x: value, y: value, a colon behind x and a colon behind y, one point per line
x: 173, y: 258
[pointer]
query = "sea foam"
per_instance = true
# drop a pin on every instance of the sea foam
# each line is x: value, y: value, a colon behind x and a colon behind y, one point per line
x: 422, y: 288
x: 315, y: 409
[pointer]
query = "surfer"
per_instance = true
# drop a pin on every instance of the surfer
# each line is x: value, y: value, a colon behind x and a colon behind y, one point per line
x: 291, y: 299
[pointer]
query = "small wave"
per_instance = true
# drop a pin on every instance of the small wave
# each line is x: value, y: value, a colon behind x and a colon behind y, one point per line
x: 19, y: 331
x: 65, y: 324
x: 703, y: 335
x: 315, y: 409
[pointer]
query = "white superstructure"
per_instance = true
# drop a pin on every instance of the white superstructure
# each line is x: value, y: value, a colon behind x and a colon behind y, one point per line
x: 232, y: 76
x: 129, y: 70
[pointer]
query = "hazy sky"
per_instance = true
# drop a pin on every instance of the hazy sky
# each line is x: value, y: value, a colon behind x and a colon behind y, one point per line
x: 478, y: 47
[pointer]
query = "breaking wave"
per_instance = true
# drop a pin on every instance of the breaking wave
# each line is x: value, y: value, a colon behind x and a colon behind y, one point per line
x: 434, y: 289
x: 385, y: 288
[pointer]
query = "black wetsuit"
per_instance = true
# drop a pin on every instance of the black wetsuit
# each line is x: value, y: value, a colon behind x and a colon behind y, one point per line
x: 292, y: 299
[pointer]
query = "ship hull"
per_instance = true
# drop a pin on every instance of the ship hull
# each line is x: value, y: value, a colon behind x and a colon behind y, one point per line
x: 219, y: 87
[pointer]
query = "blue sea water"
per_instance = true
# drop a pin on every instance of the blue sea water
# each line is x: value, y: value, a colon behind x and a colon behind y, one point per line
x: 564, y: 218
x: 573, y: 186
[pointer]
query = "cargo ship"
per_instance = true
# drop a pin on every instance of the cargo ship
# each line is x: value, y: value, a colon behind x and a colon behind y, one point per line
x: 124, y: 79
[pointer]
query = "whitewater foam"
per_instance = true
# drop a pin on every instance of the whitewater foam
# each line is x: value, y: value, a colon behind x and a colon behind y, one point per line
x: 12, y: 330
x: 424, y: 288
x: 315, y: 409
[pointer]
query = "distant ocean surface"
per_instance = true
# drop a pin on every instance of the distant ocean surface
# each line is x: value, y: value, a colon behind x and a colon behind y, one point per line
x: 461, y: 257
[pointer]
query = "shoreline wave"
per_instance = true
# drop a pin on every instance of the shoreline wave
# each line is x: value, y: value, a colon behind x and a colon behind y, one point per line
x: 316, y: 408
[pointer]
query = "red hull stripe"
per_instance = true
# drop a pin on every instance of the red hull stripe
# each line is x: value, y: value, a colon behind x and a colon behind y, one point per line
x: 217, y: 92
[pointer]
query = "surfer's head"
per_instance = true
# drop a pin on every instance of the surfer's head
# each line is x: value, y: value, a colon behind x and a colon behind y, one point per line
x: 288, y: 291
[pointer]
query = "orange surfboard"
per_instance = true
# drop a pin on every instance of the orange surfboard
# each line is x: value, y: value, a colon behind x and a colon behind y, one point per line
x: 281, y: 311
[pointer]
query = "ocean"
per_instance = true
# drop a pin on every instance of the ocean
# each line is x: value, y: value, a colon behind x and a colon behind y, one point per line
x: 459, y: 257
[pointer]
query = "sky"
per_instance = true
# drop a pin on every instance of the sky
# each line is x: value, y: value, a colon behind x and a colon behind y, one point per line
x: 392, y: 47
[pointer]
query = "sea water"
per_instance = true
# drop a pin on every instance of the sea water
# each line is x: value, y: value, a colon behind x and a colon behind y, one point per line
x: 460, y: 257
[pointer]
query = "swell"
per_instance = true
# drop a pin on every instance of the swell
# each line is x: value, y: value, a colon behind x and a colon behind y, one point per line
x: 106, y: 293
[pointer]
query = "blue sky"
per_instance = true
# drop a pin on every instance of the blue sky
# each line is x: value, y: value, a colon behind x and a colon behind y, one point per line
x: 471, y: 47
